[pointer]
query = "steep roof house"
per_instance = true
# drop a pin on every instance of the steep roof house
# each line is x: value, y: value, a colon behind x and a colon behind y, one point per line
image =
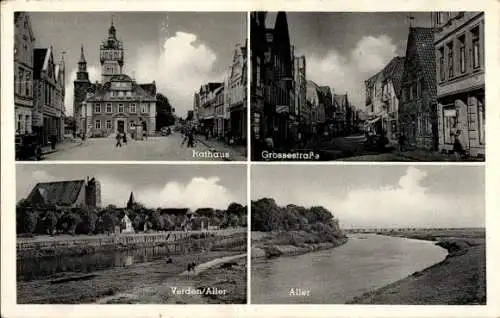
x: 417, y: 109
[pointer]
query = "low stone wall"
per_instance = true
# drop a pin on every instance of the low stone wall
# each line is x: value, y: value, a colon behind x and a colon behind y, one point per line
x: 104, y: 240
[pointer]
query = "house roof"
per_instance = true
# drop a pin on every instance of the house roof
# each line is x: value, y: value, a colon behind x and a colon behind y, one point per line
x: 59, y: 192
x: 394, y: 72
x: 142, y: 91
x: 325, y: 90
x: 39, y: 56
x: 150, y: 88
x: 424, y: 44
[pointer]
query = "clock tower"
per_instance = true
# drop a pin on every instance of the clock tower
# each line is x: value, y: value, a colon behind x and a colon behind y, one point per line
x: 111, y: 55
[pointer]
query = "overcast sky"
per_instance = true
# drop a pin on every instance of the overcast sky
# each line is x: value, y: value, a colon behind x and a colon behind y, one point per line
x: 178, y: 50
x: 380, y: 196
x: 343, y: 49
x: 192, y: 186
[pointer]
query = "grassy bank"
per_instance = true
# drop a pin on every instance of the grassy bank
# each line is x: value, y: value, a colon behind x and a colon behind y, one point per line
x: 275, y: 244
x: 460, y: 279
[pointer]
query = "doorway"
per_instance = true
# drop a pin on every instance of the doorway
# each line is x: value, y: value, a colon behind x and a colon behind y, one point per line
x: 121, y: 126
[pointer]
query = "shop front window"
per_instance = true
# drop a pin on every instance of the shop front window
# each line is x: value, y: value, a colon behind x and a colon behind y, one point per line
x: 450, y: 123
x: 481, y: 119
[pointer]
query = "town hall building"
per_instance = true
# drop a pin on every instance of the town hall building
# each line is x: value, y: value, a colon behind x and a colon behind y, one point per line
x: 118, y: 103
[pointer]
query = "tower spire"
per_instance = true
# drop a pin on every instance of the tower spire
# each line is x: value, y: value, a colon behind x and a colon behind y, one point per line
x: 82, y: 56
x: 131, y: 201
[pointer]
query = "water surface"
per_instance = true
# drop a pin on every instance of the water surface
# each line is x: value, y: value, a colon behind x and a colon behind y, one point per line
x: 335, y: 276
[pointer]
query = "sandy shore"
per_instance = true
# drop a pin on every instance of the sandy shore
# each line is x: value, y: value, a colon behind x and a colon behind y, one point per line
x: 460, y: 279
x: 213, y: 283
x: 113, y: 281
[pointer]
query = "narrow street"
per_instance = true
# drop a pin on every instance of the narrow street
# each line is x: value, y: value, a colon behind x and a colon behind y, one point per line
x: 154, y: 148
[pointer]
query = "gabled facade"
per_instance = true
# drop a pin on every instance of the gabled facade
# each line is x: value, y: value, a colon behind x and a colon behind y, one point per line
x: 257, y: 75
x: 281, y: 89
x: 382, y: 99
x: 24, y: 42
x: 48, y: 90
x: 418, y: 106
x: 116, y: 105
x: 317, y: 98
x: 300, y: 92
x: 206, y: 109
x: 329, y: 115
x: 218, y: 105
x: 342, y: 114
x: 313, y: 102
x: 238, y: 94
x: 460, y: 75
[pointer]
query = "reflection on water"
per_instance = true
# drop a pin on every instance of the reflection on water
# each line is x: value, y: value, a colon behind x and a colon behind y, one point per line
x: 39, y: 268
x: 336, y: 276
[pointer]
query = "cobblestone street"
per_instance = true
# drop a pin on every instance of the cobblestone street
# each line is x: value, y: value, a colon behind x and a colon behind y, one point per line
x: 154, y: 148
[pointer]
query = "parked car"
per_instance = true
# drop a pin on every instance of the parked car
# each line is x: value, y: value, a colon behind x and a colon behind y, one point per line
x: 165, y: 131
x: 28, y: 146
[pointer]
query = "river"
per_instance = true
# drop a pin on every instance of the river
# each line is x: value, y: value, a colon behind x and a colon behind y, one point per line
x: 39, y: 268
x: 366, y: 262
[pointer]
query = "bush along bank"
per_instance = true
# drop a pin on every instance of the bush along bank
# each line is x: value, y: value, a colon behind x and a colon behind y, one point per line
x: 273, y: 250
x: 292, y: 229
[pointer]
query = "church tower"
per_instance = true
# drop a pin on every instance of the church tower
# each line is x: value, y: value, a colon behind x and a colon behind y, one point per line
x: 111, y: 55
x: 131, y: 204
x: 81, y: 86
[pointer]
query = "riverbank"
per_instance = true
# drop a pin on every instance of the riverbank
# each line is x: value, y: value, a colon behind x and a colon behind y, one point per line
x: 225, y: 283
x: 113, y: 281
x: 276, y: 244
x: 460, y: 279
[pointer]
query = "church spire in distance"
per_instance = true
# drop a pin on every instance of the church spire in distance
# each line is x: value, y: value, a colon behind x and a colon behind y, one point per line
x: 131, y: 201
x: 82, y: 56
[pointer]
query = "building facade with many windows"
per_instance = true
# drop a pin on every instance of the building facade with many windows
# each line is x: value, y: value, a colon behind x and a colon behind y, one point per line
x: 382, y: 99
x: 116, y: 105
x: 49, y: 92
x: 459, y: 48
x: 24, y: 42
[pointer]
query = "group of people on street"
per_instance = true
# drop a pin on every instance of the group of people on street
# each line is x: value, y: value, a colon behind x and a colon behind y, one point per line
x: 188, y: 136
x: 121, y: 137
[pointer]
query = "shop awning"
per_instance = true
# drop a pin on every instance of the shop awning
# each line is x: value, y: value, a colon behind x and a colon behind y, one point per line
x: 372, y: 121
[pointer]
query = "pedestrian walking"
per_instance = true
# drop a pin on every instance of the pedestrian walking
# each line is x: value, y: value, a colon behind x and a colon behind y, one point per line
x: 402, y: 142
x: 185, y: 138
x: 53, y: 140
x: 124, y: 139
x: 118, y: 140
x: 190, y: 137
x: 458, y: 149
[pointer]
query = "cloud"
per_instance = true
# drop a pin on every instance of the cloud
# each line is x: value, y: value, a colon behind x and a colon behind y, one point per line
x: 94, y: 75
x: 197, y: 193
x: 41, y: 176
x: 347, y: 72
x: 179, y: 69
x: 405, y: 204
